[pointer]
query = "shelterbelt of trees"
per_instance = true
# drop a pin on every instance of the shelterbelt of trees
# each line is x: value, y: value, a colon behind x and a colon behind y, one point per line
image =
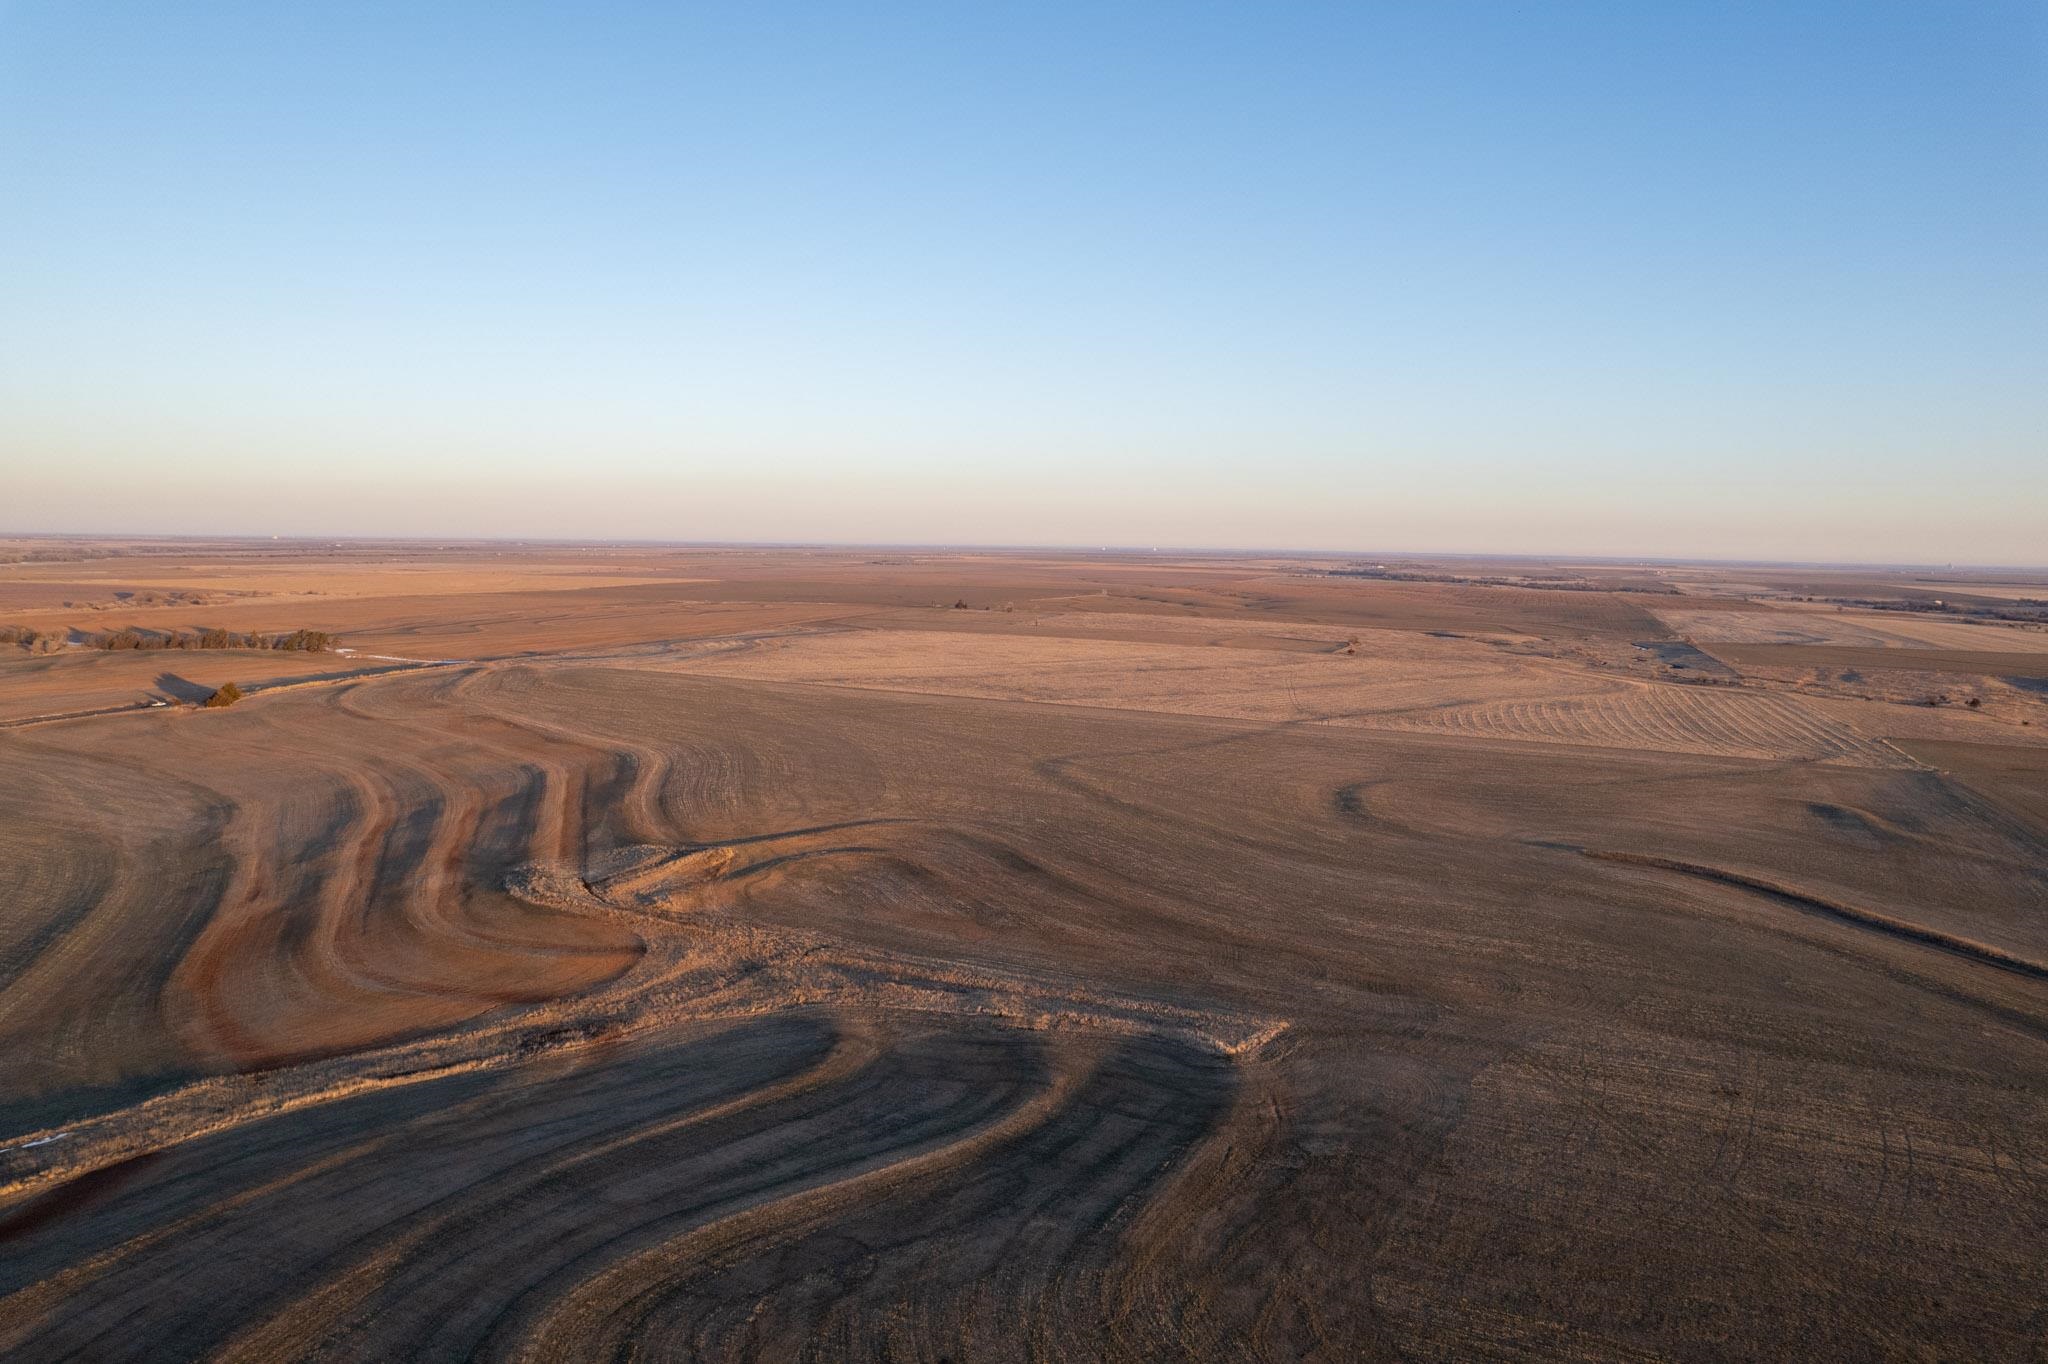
x: 46, y: 641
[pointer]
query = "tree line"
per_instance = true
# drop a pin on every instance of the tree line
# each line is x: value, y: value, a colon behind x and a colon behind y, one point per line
x: 45, y: 641
x: 35, y: 641
x: 297, y: 641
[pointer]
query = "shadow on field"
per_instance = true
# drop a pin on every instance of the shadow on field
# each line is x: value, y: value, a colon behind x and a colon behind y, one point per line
x: 178, y: 688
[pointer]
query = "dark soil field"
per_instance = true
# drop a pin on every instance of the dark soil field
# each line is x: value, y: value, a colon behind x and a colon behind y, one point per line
x: 1984, y: 662
x: 756, y: 955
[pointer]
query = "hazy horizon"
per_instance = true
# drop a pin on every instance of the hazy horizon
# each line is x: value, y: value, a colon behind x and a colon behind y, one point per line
x: 1618, y: 281
x: 1446, y: 555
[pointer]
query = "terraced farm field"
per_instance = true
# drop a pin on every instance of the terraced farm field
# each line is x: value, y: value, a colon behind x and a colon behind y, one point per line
x: 760, y: 957
x: 1668, y: 718
x: 1421, y: 683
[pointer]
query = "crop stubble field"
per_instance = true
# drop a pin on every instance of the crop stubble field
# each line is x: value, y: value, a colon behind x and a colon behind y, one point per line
x: 661, y: 953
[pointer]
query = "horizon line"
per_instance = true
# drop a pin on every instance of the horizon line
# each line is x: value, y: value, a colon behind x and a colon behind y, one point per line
x: 993, y: 547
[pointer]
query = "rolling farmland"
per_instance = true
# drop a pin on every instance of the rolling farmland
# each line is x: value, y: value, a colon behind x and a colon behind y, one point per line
x: 786, y: 963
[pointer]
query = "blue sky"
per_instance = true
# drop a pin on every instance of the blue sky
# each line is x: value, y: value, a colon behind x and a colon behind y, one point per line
x: 1687, y: 279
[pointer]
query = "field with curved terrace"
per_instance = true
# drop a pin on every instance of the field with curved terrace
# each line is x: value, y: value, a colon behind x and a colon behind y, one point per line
x: 744, y: 954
